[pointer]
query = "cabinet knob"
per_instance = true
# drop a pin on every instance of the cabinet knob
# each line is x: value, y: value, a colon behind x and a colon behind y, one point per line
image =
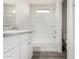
x: 29, y: 42
x: 55, y: 32
x: 54, y: 36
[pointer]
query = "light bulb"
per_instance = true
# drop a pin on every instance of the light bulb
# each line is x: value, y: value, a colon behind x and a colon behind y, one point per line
x: 14, y: 11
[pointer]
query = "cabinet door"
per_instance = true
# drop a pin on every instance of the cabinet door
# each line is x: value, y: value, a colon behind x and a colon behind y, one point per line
x: 24, y: 51
x: 30, y: 49
x: 13, y: 54
x: 10, y: 42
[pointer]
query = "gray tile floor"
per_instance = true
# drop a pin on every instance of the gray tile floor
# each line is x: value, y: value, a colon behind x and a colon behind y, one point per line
x: 49, y: 55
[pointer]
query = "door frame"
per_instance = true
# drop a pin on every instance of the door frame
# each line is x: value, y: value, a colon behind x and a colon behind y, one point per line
x: 70, y: 29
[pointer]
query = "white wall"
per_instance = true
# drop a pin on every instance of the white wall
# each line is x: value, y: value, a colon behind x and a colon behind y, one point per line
x: 70, y: 30
x: 22, y: 14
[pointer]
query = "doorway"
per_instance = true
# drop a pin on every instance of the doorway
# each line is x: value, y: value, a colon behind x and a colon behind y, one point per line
x: 46, y: 26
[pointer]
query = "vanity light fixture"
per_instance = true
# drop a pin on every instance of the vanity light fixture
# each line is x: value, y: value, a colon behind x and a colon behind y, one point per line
x: 42, y: 11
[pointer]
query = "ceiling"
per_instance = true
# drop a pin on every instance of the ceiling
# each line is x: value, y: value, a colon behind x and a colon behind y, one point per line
x: 43, y: 1
x: 33, y: 1
x: 9, y: 1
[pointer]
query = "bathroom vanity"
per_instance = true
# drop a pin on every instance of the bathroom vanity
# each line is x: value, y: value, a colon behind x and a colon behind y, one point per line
x: 17, y: 44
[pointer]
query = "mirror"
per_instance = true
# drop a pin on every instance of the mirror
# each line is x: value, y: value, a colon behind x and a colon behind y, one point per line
x: 9, y: 14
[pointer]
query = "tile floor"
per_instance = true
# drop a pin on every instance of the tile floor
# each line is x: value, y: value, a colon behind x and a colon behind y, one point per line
x: 49, y: 55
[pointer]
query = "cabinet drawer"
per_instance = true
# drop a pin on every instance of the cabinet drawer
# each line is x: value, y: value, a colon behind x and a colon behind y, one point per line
x: 10, y: 43
x: 24, y: 37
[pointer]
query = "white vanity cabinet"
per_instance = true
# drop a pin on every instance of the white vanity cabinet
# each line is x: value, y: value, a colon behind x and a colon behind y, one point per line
x: 18, y: 46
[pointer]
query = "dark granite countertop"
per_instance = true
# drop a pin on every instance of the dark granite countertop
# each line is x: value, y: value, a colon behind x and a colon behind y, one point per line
x: 10, y: 33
